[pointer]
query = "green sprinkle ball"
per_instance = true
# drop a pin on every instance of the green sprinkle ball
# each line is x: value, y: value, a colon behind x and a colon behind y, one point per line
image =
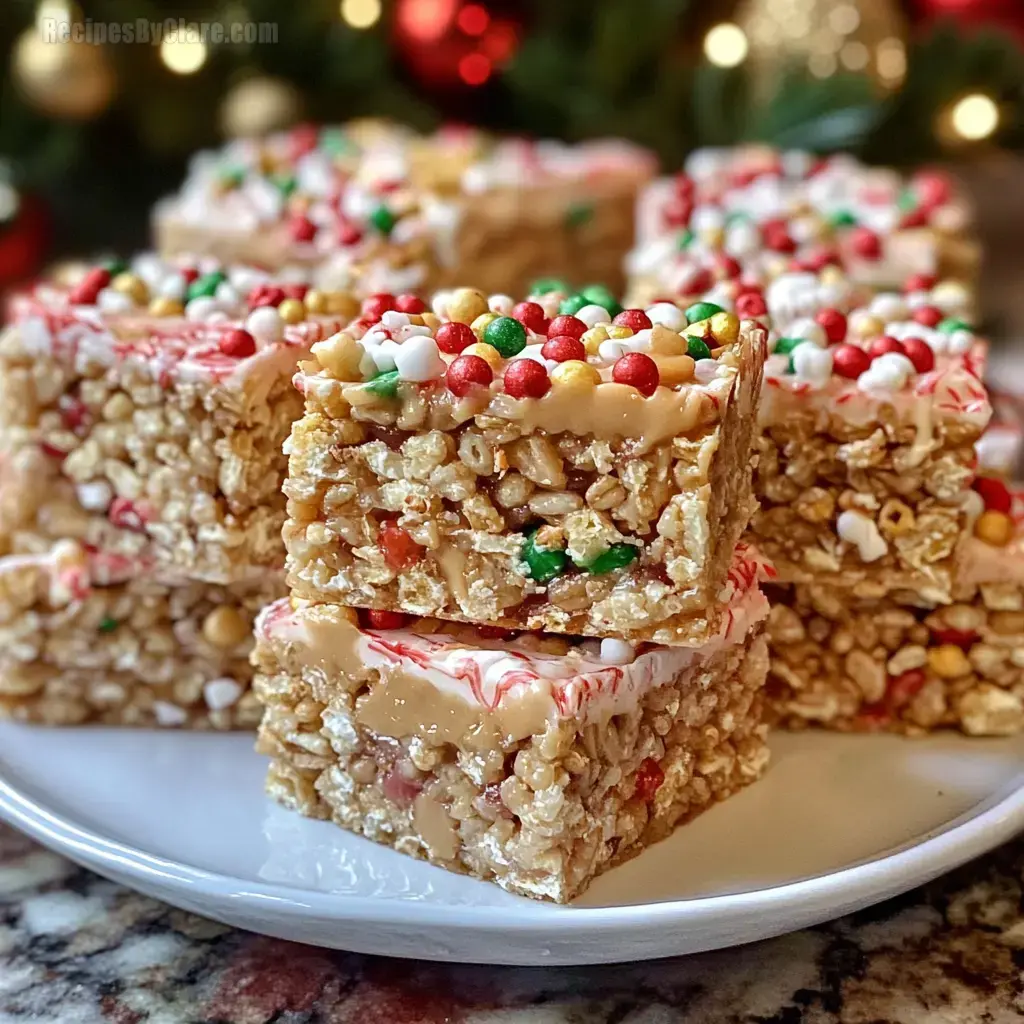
x: 602, y: 296
x: 284, y: 183
x: 697, y: 348
x: 205, y: 285
x: 115, y: 267
x: 383, y: 220
x: 546, y: 285
x: 573, y: 304
x: 545, y: 564
x: 842, y: 219
x: 384, y: 384
x: 701, y: 311
x: 784, y: 346
x: 952, y: 323
x: 507, y: 335
x: 107, y: 624
x: 618, y: 556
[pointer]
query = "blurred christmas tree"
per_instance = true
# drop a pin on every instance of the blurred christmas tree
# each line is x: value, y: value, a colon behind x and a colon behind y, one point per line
x: 100, y: 128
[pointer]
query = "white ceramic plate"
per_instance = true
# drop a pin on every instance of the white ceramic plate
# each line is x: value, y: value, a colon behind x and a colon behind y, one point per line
x: 838, y: 823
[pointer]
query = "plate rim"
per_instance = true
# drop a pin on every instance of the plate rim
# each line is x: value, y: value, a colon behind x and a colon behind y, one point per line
x: 859, y: 883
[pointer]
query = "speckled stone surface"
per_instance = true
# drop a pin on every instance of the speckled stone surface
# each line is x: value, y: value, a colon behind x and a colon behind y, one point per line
x: 76, y: 949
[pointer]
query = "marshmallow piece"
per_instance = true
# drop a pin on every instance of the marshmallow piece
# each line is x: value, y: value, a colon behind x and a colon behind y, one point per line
x: 501, y: 304
x: 614, y: 348
x: 95, y: 495
x: 439, y: 303
x: 383, y: 355
x: 203, y: 306
x: 811, y: 364
x: 888, y: 306
x: 707, y: 218
x: 617, y: 652
x: 861, y: 531
x: 418, y: 359
x: 593, y: 315
x: 888, y: 372
x: 264, y: 323
x: 668, y: 315
x: 706, y: 370
x: 169, y: 714
x: 112, y: 301
x: 392, y: 319
x: 221, y: 693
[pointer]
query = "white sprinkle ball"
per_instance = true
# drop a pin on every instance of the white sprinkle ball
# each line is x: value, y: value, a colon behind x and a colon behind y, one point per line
x: 888, y: 306
x: 961, y: 341
x: 172, y: 286
x: 593, y: 315
x: 439, y: 303
x: 501, y: 304
x: 811, y: 364
x: 617, y: 652
x: 668, y: 315
x: 808, y: 329
x: 201, y: 308
x: 265, y: 325
x: 110, y: 300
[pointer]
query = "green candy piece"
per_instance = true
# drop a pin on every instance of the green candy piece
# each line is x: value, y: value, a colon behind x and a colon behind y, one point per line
x: 546, y: 285
x: 573, y: 304
x: 702, y: 311
x: 790, y: 367
x: 952, y: 323
x: 599, y: 295
x: 115, y: 267
x: 205, y: 285
x: 784, y: 346
x: 231, y: 177
x: 685, y: 239
x: 736, y: 217
x: 578, y: 214
x: 384, y: 384
x: 544, y: 563
x: 507, y: 335
x: 697, y: 348
x: 842, y: 219
x: 335, y: 142
x: 383, y: 220
x: 108, y: 625
x: 616, y: 557
x: 285, y: 183
x: 907, y: 201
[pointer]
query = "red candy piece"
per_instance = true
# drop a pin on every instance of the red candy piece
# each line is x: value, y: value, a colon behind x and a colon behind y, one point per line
x: 573, y: 326
x: 400, y: 551
x: 295, y: 291
x: 866, y: 244
x: 88, y: 289
x: 919, y: 283
x: 920, y: 353
x: 833, y: 323
x: 302, y: 229
x: 850, y: 362
x: 962, y: 638
x: 526, y: 378
x: 649, y: 778
x: 994, y: 493
x: 74, y: 413
x: 238, y: 343
x: 564, y: 348
x: 638, y: 371
x: 880, y: 346
x: 928, y: 316
x: 750, y: 305
x: 51, y: 451
x: 266, y: 295
x: 677, y: 211
x: 410, y: 304
x: 634, y: 319
x: 349, y: 234
x: 932, y: 188
x: 726, y: 267
x: 915, y: 218
x: 684, y: 186
x: 454, y: 337
x: 376, y: 306
x: 776, y: 236
x: 531, y: 316
x: 902, y: 689
x: 820, y: 257
x: 467, y: 372
x: 190, y: 274
x: 380, y: 618
x: 126, y: 515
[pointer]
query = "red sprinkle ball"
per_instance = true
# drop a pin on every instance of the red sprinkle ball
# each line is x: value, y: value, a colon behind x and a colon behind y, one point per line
x: 649, y: 778
x: 750, y: 305
x: 573, y: 326
x: 400, y: 551
x: 465, y: 373
x: 833, y: 323
x: 376, y: 306
x: 726, y: 268
x: 928, y: 316
x: 265, y: 295
x: 994, y: 493
x: 865, y: 243
x: 919, y: 283
x: 238, y: 343
x: 634, y: 319
x: 920, y: 354
x: 884, y: 344
x: 526, y: 378
x: 531, y: 316
x: 379, y: 618
x: 850, y: 362
x: 564, y: 348
x: 302, y: 229
x: 410, y: 304
x: 453, y: 337
x: 638, y: 371
x: 295, y: 291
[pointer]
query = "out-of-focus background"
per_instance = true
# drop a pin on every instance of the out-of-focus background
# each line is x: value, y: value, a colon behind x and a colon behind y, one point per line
x: 101, y: 107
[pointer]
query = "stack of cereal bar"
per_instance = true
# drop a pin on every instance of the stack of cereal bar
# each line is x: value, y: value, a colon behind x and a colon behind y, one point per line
x: 142, y: 412
x: 523, y: 640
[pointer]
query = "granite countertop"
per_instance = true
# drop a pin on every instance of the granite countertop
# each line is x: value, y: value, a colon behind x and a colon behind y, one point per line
x: 76, y: 949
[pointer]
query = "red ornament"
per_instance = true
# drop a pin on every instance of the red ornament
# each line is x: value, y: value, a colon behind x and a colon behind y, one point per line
x: 381, y: 618
x: 564, y: 348
x: 833, y: 323
x: 526, y: 378
x: 994, y: 493
x: 467, y: 372
x: 649, y: 778
x: 454, y: 337
x: 400, y: 551
x: 634, y: 319
x: 750, y: 305
x: 531, y: 316
x: 376, y: 306
x: 850, y: 361
x: 920, y: 354
x: 412, y: 304
x: 88, y: 289
x: 866, y: 244
x: 238, y: 343
x: 638, y: 371
x: 919, y: 283
x: 302, y: 229
x: 928, y: 316
x: 265, y: 295
x: 880, y: 346
x: 572, y: 326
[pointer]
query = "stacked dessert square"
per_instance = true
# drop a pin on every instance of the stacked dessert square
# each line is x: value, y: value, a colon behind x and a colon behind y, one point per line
x: 470, y: 473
